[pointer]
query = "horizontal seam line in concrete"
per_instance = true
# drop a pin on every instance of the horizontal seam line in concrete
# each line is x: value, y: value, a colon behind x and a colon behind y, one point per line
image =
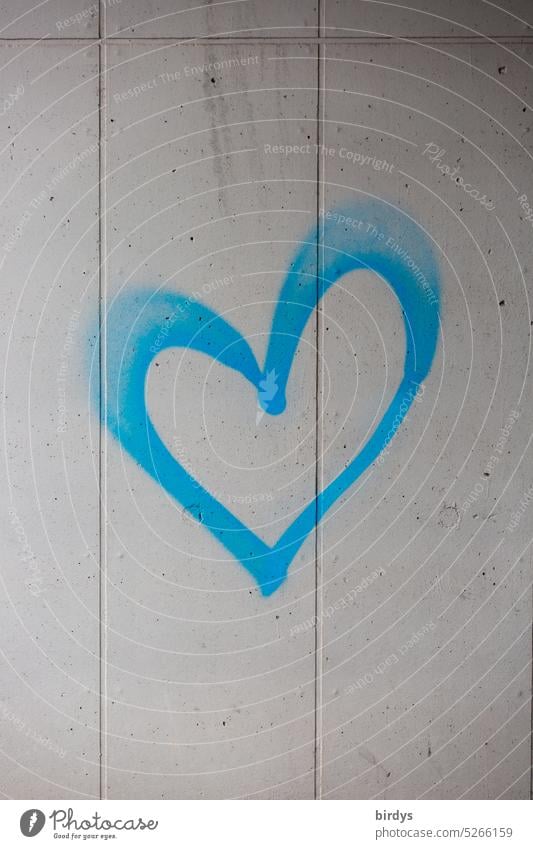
x: 204, y: 39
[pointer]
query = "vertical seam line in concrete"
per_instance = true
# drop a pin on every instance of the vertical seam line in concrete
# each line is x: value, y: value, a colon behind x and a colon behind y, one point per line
x: 101, y: 512
x: 320, y: 536
x: 317, y: 208
x: 531, y: 714
x: 318, y: 583
x: 317, y: 411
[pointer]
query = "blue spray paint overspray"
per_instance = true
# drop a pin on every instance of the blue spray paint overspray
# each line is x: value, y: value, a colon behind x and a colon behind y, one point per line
x: 371, y: 235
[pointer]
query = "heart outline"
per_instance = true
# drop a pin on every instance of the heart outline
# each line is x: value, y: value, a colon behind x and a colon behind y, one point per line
x: 140, y: 323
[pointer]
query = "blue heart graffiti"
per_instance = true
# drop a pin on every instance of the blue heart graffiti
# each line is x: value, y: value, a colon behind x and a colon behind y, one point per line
x: 373, y: 235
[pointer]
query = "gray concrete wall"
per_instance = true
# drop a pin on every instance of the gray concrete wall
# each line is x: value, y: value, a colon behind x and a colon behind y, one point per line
x: 187, y: 148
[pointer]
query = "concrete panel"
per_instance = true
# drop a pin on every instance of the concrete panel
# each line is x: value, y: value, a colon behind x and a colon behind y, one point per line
x: 52, y: 19
x: 49, y: 500
x: 164, y: 18
x: 424, y: 611
x: 443, y: 19
x: 208, y: 693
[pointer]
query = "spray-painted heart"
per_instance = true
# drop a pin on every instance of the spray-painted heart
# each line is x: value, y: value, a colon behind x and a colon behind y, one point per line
x: 139, y: 324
